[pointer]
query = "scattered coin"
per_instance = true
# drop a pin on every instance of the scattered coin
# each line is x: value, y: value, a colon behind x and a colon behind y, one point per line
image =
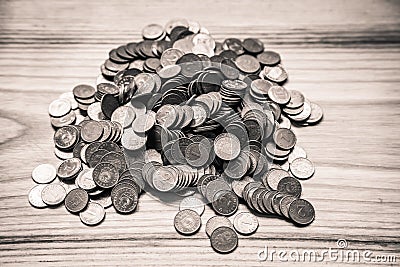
x: 180, y: 113
x: 44, y: 174
x: 93, y: 214
x: 187, y: 222
x: 245, y: 223
x: 53, y: 194
x: 224, y: 239
x: 302, y: 168
x: 76, y: 200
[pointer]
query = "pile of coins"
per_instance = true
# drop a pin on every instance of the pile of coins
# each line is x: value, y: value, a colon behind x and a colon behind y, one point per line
x: 181, y: 114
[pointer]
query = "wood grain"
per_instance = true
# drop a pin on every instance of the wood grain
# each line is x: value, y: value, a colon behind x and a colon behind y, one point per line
x: 342, y: 54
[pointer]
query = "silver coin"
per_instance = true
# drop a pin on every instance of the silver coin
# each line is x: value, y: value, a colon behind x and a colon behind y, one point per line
x: 215, y: 222
x: 94, y: 112
x: 44, y: 174
x: 35, y: 196
x: 227, y: 146
x: 245, y: 223
x: 53, y: 194
x: 192, y: 203
x: 133, y: 141
x: 302, y: 168
x: 187, y: 222
x: 93, y: 214
x: 59, y: 108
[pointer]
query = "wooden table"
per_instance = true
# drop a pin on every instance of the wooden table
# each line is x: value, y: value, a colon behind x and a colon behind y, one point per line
x: 342, y: 54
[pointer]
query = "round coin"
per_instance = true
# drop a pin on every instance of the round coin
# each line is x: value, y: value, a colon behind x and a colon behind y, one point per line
x: 187, y: 222
x: 302, y: 168
x: 284, y: 138
x: 93, y: 214
x: 225, y: 203
x: 53, y: 194
x: 76, y: 200
x: 124, y: 198
x: 224, y: 239
x: 105, y: 175
x: 245, y: 223
x: 227, y: 146
x: 44, y: 174
x: 289, y: 186
x: 59, y: 108
x: 69, y: 169
x: 301, y: 212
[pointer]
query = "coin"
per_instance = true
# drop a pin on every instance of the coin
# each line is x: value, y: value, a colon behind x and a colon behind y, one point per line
x: 53, y: 194
x: 225, y: 202
x: 187, y: 222
x: 301, y: 212
x: 227, y: 146
x: 302, y: 168
x: 83, y: 91
x: 91, y: 131
x: 69, y: 169
x: 143, y: 124
x: 152, y: 31
x: 316, y: 114
x: 124, y: 198
x: 66, y: 137
x: 224, y: 239
x: 76, y: 200
x: 284, y: 138
x: 35, y: 196
x: 289, y: 186
x: 269, y: 58
x: 59, y: 108
x: 215, y: 222
x: 192, y: 203
x: 44, y: 174
x: 245, y: 223
x: 93, y: 214
x: 105, y: 175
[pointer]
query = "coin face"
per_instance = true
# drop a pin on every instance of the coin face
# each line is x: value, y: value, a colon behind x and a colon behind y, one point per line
x: 224, y: 239
x: 66, y: 137
x: 164, y: 180
x: 187, y: 222
x: 284, y: 205
x: 302, y: 168
x: 83, y: 91
x: 35, y: 196
x: 91, y: 131
x: 76, y: 200
x: 93, y: 214
x: 225, y: 203
x: 44, y: 174
x: 124, y: 198
x: 192, y: 203
x: 53, y: 194
x: 238, y: 185
x: 301, y: 212
x: 227, y: 146
x: 69, y: 168
x: 289, y: 186
x: 105, y: 175
x: 245, y: 223
x: 59, y: 108
x: 285, y: 138
x: 297, y: 152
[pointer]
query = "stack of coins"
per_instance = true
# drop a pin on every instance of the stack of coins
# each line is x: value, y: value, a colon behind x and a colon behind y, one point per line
x: 181, y: 113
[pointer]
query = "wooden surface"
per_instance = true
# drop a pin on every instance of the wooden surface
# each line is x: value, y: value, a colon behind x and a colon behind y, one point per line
x: 344, y: 55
